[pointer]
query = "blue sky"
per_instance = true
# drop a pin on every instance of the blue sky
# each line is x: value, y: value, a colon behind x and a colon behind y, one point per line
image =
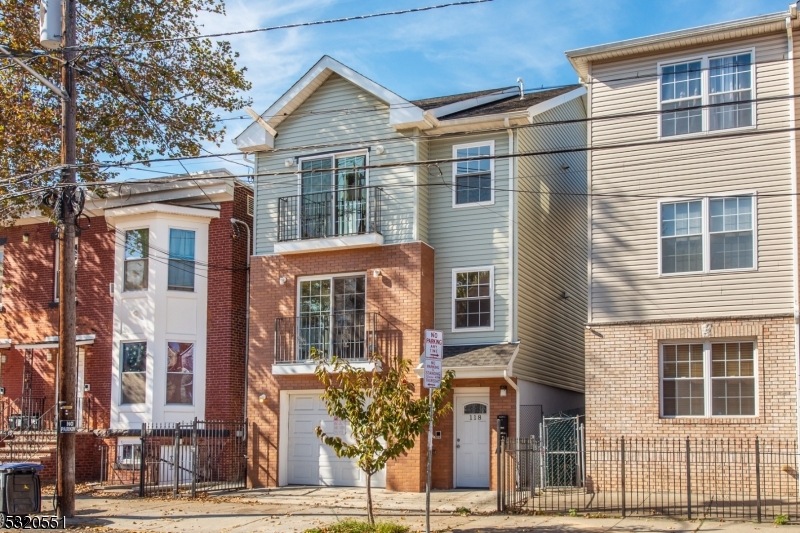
x: 444, y: 51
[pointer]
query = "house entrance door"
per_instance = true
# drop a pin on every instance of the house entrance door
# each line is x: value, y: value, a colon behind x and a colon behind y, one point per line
x: 472, y: 441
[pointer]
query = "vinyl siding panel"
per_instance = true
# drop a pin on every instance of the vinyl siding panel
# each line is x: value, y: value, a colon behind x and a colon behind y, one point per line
x: 341, y: 114
x: 423, y: 192
x: 475, y: 236
x: 551, y: 252
x: 628, y: 182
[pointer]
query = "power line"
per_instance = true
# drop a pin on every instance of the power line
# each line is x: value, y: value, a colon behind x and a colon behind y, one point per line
x: 273, y: 28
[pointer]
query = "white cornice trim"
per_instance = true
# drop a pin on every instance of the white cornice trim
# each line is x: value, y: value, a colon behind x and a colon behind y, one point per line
x: 156, y: 208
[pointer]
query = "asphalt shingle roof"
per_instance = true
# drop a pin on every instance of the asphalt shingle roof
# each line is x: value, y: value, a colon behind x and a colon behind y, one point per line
x: 438, y: 101
x: 511, y: 104
x: 478, y: 355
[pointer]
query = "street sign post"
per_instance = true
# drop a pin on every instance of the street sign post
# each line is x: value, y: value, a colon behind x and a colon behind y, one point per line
x: 432, y: 378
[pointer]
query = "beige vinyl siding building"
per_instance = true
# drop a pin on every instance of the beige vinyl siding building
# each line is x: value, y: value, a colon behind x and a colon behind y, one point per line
x: 551, y: 252
x: 692, y: 231
x: 625, y: 280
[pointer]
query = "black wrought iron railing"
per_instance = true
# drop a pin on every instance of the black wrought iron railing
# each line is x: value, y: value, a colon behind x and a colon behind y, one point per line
x: 348, y: 335
x: 354, y: 211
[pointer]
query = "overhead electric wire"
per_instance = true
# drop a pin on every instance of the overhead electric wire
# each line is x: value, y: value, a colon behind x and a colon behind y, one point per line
x: 274, y: 28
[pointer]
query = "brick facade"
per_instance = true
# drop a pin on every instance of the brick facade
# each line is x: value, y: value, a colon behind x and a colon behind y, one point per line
x: 396, y: 295
x: 403, y: 297
x: 29, y: 315
x: 623, y: 389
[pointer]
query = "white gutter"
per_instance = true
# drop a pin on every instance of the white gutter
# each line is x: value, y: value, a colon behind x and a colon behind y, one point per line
x: 512, y: 235
x: 795, y: 264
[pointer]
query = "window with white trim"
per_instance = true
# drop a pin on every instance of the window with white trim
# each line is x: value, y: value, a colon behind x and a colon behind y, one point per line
x: 722, y: 83
x: 2, y: 261
x: 710, y: 379
x: 136, y: 262
x: 473, y: 299
x: 473, y: 180
x: 709, y: 235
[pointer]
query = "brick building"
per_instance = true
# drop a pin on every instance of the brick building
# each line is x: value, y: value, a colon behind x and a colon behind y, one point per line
x: 160, y: 314
x: 693, y: 325
x: 360, y: 246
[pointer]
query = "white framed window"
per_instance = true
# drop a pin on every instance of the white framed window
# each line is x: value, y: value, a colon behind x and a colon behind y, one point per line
x: 473, y: 299
x: 707, y: 93
x: 332, y: 317
x: 180, y: 274
x: 2, y: 263
x: 708, y: 379
x: 180, y: 373
x: 473, y: 181
x: 57, y: 256
x: 136, y: 261
x: 713, y: 234
x: 334, y: 197
x: 133, y: 370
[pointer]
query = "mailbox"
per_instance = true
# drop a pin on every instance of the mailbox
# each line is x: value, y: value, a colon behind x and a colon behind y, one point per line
x: 502, y: 424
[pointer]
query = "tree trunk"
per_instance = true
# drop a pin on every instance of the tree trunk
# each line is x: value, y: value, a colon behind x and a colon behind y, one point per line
x: 370, y: 516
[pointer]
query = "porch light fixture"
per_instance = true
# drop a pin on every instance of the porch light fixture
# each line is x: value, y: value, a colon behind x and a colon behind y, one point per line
x: 376, y: 273
x: 262, y: 398
x: 503, y: 391
x: 282, y: 280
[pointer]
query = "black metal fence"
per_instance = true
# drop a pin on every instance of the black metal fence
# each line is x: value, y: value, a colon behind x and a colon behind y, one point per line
x: 184, y: 458
x: 348, y: 335
x: 352, y: 211
x: 746, y: 479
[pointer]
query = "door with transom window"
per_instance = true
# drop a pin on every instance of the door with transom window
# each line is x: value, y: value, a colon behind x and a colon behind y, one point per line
x: 472, y: 441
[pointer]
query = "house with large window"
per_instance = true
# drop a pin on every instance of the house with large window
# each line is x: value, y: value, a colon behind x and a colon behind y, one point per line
x: 378, y: 217
x: 161, y: 307
x: 693, y: 271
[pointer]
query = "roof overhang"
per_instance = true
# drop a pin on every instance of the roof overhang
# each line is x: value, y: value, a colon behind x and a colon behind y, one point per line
x: 158, y: 208
x: 775, y: 22
x: 485, y: 372
x: 52, y: 343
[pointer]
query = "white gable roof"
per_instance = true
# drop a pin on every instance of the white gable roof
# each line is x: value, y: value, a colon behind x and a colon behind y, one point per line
x: 256, y: 137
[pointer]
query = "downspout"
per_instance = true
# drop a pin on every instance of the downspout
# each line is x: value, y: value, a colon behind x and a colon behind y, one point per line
x: 508, y: 373
x: 235, y: 221
x: 512, y: 234
x: 795, y: 265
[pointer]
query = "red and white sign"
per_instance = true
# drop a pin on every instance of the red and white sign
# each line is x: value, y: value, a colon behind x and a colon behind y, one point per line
x: 433, y: 373
x: 434, y: 344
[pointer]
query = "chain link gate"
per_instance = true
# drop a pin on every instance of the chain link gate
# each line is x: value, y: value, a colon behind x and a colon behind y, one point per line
x: 561, y: 452
x: 190, y: 457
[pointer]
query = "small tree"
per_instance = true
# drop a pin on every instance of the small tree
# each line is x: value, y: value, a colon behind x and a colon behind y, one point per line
x: 379, y: 405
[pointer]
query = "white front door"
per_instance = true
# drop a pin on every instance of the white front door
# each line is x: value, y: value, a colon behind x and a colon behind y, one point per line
x: 472, y: 441
x: 309, y: 461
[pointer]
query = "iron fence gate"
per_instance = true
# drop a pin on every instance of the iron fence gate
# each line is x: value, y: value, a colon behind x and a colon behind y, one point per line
x: 190, y: 457
x: 561, y: 460
x: 746, y: 479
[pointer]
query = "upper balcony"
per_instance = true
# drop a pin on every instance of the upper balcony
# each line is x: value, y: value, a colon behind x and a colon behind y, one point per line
x: 329, y: 220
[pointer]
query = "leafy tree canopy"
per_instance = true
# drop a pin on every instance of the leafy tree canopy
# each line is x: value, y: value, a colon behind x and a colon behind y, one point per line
x: 137, y: 102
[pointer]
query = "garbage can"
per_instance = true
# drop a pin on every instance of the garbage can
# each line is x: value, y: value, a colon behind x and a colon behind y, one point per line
x: 20, y: 489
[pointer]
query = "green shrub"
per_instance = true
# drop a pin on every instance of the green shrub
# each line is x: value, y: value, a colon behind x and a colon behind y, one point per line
x: 573, y: 512
x: 781, y: 520
x: 463, y: 511
x: 360, y: 526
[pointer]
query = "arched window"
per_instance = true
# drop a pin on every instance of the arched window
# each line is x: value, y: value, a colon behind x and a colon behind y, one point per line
x: 475, y: 409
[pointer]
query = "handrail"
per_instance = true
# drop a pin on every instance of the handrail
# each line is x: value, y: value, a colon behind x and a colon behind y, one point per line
x: 334, y: 213
x: 346, y: 334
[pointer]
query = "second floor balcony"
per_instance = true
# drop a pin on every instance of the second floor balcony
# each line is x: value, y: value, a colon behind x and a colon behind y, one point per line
x: 329, y: 219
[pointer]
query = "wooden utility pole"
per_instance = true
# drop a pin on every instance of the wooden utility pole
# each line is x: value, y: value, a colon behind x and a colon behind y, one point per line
x: 68, y: 357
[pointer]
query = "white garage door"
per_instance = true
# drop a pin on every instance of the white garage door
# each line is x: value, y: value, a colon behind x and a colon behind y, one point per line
x: 310, y: 462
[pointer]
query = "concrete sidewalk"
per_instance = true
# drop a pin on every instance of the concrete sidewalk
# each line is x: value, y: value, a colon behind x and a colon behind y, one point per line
x: 296, y: 509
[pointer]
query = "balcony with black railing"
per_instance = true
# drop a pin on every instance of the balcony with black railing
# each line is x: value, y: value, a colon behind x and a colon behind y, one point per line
x: 329, y: 219
x: 347, y: 335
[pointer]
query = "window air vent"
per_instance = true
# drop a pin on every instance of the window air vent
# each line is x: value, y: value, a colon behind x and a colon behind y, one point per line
x: 250, y: 205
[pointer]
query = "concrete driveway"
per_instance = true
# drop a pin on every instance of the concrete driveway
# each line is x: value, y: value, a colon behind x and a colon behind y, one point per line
x: 296, y: 509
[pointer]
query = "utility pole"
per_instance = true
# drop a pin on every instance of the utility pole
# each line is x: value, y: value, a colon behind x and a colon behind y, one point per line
x: 66, y: 284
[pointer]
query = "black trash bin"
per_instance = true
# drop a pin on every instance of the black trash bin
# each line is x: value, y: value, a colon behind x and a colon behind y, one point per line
x: 20, y: 489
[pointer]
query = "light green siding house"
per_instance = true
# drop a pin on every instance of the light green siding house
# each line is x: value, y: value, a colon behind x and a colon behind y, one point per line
x: 380, y: 217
